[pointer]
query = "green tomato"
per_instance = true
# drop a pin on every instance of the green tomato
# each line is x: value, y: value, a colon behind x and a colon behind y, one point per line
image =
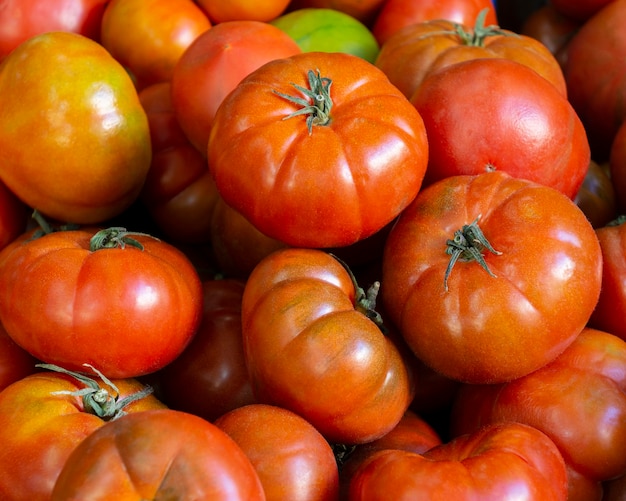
x: 328, y: 30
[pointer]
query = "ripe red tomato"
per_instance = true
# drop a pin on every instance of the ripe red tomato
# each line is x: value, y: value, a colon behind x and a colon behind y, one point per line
x: 578, y: 400
x: 243, y: 10
x: 414, y: 51
x: 149, y: 36
x: 497, y: 462
x: 490, y: 277
x: 329, y: 177
x: 520, y: 124
x: 396, y: 14
x: 43, y: 417
x: 99, y: 299
x: 214, y: 64
x: 210, y: 377
x: 311, y: 347
x: 74, y: 139
x: 158, y: 454
x: 179, y: 193
x: 23, y: 19
x: 292, y: 459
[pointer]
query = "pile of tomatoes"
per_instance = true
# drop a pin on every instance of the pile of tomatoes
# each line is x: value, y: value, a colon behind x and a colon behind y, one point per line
x: 312, y: 250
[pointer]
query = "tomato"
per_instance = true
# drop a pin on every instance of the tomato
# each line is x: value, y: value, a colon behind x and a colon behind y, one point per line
x: 578, y: 400
x: 596, y: 85
x: 292, y: 459
x: 507, y: 461
x: 179, y: 192
x: 311, y: 347
x: 329, y: 177
x: 617, y: 166
x: 45, y: 415
x: 23, y: 19
x: 220, y: 11
x: 491, y: 114
x: 214, y: 64
x: 414, y: 51
x: 596, y: 197
x: 15, y: 363
x: 149, y: 36
x: 489, y: 277
x: 74, y: 139
x: 158, y: 454
x: 363, y: 10
x: 610, y: 310
x: 396, y: 14
x: 127, y: 304
x: 210, y: 377
x: 328, y: 30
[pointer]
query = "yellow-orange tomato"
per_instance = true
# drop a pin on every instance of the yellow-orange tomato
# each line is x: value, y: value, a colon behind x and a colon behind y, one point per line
x: 74, y: 139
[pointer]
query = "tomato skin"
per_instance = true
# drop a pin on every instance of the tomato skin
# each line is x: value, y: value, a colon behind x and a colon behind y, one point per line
x: 497, y: 462
x: 41, y: 429
x: 487, y: 329
x: 578, y: 400
x: 149, y: 36
x: 528, y: 129
x: 210, y: 377
x: 310, y: 351
x: 158, y: 454
x: 88, y: 143
x: 23, y: 19
x: 243, y: 10
x: 292, y: 459
x: 85, y: 300
x: 324, y: 188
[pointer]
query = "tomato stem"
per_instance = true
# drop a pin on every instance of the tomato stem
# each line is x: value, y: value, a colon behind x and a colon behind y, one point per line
x: 466, y: 246
x: 320, y: 104
x: 45, y: 228
x: 115, y: 237
x: 476, y: 37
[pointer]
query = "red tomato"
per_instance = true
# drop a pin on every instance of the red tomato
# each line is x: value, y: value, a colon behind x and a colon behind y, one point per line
x: 396, y: 14
x: 311, y: 347
x: 44, y: 416
x: 15, y: 363
x: 610, y: 311
x: 292, y: 459
x: 179, y: 192
x: 578, y: 400
x: 149, y: 36
x: 210, y: 377
x: 214, y: 64
x: 332, y: 176
x: 596, y: 86
x: 158, y: 454
x: 493, y: 114
x: 23, y: 19
x: 243, y: 10
x: 74, y: 139
x: 490, y: 277
x: 507, y: 461
x: 99, y: 299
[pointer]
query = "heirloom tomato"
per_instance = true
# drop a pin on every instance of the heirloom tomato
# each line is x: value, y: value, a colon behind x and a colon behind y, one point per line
x: 214, y: 64
x: 74, y: 139
x: 127, y: 304
x: 490, y: 277
x: 324, y: 152
x: 292, y: 458
x: 520, y: 124
x: 45, y: 415
x: 505, y: 461
x: 158, y: 454
x: 578, y: 400
x: 413, y: 52
x: 220, y: 11
x: 149, y: 36
x: 396, y: 14
x: 311, y: 346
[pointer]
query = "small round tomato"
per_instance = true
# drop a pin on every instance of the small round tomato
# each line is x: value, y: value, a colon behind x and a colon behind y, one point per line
x: 127, y: 304
x: 158, y: 454
x: 490, y: 277
x: 74, y: 139
x: 292, y: 458
x: 149, y: 36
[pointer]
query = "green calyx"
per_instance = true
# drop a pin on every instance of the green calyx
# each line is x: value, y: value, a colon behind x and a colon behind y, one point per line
x: 115, y: 238
x: 318, y: 105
